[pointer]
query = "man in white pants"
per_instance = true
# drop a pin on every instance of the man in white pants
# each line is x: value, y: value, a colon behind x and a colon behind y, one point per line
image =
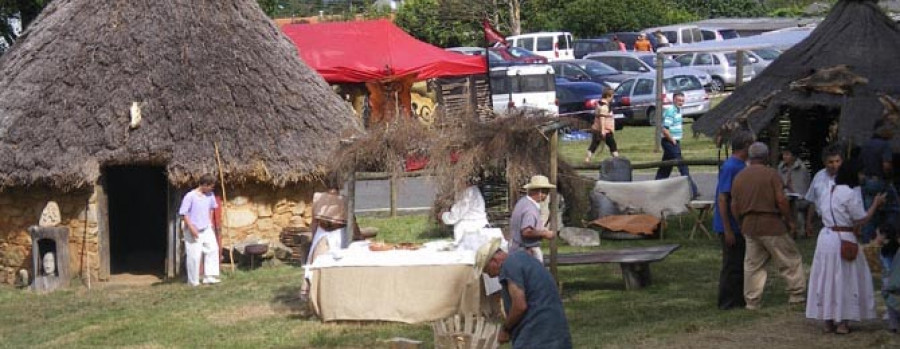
x: 197, y: 211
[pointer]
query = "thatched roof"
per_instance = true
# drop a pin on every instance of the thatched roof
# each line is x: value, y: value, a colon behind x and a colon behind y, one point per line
x: 811, y: 75
x: 202, y: 71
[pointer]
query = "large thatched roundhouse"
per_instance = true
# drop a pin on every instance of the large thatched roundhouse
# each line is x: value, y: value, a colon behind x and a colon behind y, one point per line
x: 837, y: 74
x: 111, y: 109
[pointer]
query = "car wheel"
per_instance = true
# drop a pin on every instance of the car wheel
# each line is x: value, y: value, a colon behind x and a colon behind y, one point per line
x: 717, y: 85
x: 651, y: 117
x: 620, y: 124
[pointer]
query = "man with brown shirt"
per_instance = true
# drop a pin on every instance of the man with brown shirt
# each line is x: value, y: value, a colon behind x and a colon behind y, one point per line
x: 765, y: 216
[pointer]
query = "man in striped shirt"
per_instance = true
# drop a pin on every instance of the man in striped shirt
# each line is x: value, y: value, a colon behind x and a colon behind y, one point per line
x: 671, y: 141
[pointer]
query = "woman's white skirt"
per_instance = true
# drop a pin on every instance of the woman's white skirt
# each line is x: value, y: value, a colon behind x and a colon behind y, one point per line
x: 839, y: 290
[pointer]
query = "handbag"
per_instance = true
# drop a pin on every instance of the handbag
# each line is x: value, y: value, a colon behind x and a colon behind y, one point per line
x: 849, y: 249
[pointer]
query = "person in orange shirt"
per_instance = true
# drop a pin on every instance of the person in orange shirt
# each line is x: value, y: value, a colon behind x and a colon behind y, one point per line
x: 643, y: 44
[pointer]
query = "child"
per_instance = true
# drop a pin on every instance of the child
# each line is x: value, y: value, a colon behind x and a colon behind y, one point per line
x: 890, y: 261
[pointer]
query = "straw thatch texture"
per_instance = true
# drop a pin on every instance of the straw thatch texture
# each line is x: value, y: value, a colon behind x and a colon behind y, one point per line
x: 811, y: 76
x: 201, y: 71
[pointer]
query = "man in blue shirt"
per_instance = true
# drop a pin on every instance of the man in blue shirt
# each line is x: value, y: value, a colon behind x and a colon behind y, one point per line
x: 731, y: 278
x: 534, y: 313
x: 672, y: 133
x: 877, y: 158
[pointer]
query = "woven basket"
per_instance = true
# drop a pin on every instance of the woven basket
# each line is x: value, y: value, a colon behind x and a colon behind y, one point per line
x: 873, y: 257
x: 465, y: 332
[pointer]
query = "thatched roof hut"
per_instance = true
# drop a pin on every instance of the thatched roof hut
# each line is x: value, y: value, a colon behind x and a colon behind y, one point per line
x: 839, y: 71
x: 200, y: 71
x: 111, y: 110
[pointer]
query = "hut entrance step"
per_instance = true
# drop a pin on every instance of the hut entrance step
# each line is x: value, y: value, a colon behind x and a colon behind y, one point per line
x: 137, y: 216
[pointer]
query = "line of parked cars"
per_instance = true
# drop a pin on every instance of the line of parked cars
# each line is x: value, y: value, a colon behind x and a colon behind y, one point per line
x: 565, y: 76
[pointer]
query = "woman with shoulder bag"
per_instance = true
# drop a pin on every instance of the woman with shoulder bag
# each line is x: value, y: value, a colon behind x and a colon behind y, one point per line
x: 840, y: 284
x: 603, y: 127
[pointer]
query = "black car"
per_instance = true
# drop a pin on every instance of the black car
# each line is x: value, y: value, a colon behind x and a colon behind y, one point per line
x: 630, y: 37
x: 579, y: 99
x: 585, y: 46
x: 588, y: 70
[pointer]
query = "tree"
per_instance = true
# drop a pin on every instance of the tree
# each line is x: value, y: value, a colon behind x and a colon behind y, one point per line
x: 270, y: 7
x: 588, y: 18
x: 23, y: 10
x: 428, y: 21
x: 723, y: 8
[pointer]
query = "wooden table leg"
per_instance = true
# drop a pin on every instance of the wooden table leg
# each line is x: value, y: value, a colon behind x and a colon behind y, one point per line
x: 636, y: 275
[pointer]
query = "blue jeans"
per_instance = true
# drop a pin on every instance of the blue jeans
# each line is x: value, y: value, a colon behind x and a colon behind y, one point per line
x: 673, y: 152
x: 870, y: 188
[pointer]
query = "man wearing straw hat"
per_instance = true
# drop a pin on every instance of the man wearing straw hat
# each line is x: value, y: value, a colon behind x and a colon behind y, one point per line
x: 534, y: 313
x: 525, y: 228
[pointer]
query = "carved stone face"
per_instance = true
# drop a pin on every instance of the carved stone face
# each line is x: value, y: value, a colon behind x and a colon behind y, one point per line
x: 49, y: 263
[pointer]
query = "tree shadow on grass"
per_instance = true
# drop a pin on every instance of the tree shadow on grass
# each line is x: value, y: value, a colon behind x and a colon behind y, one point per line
x: 287, y: 301
x: 570, y: 287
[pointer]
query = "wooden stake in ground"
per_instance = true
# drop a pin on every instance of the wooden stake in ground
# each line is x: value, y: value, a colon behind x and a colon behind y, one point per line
x: 224, y: 204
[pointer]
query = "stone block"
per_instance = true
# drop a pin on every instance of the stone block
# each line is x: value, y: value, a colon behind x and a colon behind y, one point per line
x: 238, y: 218
x: 50, y: 216
x: 13, y: 256
x: 299, y: 209
x: 264, y: 210
x: 239, y: 201
x: 297, y: 222
x: 580, y: 236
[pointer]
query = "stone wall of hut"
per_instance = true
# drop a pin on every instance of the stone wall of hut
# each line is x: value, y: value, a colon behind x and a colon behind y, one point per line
x: 262, y: 211
x: 21, y: 208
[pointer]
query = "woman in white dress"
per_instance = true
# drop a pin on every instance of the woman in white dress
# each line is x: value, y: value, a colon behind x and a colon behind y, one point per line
x: 468, y: 214
x: 841, y: 290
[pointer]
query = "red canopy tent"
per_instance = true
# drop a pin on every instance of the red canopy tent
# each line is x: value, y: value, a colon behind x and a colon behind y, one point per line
x: 366, y: 51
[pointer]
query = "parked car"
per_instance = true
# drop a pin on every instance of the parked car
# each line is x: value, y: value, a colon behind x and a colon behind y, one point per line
x: 764, y: 57
x: 530, y: 86
x: 679, y: 34
x: 718, y: 34
x: 552, y: 45
x: 579, y: 99
x: 635, y: 98
x: 644, y: 62
x: 502, y: 56
x: 586, y: 46
x: 629, y: 38
x: 722, y: 66
x: 588, y: 70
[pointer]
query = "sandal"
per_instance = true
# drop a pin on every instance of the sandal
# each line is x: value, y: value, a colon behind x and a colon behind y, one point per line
x: 843, y: 328
x: 829, y: 327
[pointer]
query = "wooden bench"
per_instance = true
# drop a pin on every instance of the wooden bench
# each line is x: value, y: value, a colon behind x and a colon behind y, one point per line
x: 635, y: 262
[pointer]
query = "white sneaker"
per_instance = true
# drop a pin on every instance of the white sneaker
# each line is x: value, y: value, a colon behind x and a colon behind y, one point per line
x: 211, y: 280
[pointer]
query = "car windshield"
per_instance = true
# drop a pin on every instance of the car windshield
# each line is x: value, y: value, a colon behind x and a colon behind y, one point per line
x: 682, y: 83
x: 729, y: 34
x: 519, y: 52
x: 596, y: 68
x: 494, y: 56
x: 732, y: 58
x: 767, y: 53
x: 667, y: 62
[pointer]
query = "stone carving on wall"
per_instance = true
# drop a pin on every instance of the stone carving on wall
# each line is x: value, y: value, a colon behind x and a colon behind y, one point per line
x: 50, y: 216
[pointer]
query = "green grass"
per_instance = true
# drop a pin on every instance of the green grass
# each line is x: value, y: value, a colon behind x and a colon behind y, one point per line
x: 637, y: 144
x: 259, y: 308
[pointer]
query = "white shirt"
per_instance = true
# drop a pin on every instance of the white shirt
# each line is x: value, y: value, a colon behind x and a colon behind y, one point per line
x: 819, y: 188
x: 467, y: 214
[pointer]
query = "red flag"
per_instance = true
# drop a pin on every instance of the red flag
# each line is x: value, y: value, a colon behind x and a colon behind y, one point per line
x: 491, y: 35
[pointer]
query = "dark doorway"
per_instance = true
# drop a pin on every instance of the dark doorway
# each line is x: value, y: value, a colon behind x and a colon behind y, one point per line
x: 138, y: 216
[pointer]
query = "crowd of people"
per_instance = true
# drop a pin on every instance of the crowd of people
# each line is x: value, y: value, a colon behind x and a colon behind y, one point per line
x: 760, y: 209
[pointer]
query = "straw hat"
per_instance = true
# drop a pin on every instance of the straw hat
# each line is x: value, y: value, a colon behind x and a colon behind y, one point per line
x: 539, y: 182
x: 484, y: 253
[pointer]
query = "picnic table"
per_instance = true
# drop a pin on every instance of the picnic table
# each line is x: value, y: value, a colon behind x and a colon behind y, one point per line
x: 635, y: 262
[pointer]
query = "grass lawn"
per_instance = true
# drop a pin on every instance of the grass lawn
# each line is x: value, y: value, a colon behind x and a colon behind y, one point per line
x: 636, y: 143
x: 259, y: 309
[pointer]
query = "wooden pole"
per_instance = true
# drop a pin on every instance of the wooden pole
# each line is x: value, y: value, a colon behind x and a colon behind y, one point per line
x: 657, y: 116
x: 393, y: 182
x: 739, y: 71
x: 554, y: 203
x: 224, y: 204
x: 351, y: 208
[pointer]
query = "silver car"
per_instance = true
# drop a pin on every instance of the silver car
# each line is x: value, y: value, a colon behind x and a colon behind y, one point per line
x: 762, y: 57
x: 722, y: 66
x: 635, y: 98
x: 644, y: 62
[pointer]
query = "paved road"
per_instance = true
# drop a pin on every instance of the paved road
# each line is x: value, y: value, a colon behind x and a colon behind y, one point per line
x: 418, y: 193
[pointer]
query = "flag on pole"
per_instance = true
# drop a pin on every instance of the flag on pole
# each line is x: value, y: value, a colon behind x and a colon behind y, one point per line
x: 491, y: 35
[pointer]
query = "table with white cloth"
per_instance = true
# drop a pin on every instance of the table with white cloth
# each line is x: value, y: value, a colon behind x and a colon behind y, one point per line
x: 428, y: 284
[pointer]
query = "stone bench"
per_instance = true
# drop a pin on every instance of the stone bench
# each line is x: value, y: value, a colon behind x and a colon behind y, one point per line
x: 635, y: 262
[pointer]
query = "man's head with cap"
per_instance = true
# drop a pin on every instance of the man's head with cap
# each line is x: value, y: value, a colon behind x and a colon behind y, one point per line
x: 539, y: 188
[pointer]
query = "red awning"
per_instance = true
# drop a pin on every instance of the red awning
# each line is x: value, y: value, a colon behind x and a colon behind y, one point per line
x: 375, y: 50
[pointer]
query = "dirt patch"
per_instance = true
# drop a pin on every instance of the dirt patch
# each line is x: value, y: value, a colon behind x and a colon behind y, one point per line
x: 790, y: 330
x: 235, y: 315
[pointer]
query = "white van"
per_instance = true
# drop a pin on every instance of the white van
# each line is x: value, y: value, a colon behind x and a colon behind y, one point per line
x: 524, y: 86
x: 679, y: 34
x: 552, y: 45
